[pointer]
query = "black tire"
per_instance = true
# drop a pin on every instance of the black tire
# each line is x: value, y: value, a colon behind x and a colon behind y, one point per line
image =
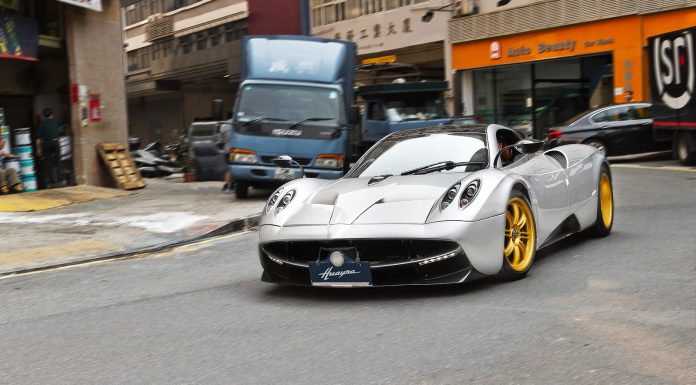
x: 241, y: 189
x: 599, y: 145
x: 684, y: 150
x: 600, y: 228
x: 507, y: 272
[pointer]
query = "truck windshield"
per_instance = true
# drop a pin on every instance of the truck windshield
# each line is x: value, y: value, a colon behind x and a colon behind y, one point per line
x: 288, y: 104
x: 416, y: 108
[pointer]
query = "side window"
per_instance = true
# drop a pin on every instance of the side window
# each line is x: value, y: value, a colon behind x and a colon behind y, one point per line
x: 641, y: 112
x: 375, y: 111
x: 622, y: 114
x: 602, y: 117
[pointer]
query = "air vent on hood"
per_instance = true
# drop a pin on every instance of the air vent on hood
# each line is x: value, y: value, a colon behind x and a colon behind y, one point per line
x: 377, y: 179
x: 558, y: 157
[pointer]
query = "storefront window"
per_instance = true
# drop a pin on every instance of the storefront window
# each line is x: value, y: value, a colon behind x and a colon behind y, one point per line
x: 531, y: 98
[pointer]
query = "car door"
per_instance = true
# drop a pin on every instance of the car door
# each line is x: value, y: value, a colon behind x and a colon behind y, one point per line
x: 376, y: 126
x: 643, y: 139
x: 618, y: 129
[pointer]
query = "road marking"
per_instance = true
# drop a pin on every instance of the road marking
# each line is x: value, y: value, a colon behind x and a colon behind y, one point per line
x: 668, y: 168
x: 144, y: 254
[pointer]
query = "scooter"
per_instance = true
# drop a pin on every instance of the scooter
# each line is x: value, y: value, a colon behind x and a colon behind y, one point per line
x: 152, y: 163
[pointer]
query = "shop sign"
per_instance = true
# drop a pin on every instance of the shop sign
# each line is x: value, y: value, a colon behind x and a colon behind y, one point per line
x: 380, y: 60
x: 19, y: 38
x: 495, y: 50
x: 389, y: 30
x: 95, y: 108
x: 593, y: 43
x: 674, y: 71
x: 568, y: 45
x: 94, y: 5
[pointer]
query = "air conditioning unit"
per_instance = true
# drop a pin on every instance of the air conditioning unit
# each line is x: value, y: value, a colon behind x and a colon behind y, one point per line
x: 465, y: 8
x: 155, y: 17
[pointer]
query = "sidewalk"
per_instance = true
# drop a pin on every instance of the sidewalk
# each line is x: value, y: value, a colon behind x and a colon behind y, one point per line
x: 111, y: 222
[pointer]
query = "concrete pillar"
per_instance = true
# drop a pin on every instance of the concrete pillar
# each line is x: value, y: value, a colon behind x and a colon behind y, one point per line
x: 94, y: 45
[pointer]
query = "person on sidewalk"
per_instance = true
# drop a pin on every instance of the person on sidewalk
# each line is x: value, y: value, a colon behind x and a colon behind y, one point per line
x: 9, y: 181
x: 225, y: 133
x: 48, y: 147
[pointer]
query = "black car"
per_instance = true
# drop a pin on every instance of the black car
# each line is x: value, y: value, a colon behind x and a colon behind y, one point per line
x: 618, y: 129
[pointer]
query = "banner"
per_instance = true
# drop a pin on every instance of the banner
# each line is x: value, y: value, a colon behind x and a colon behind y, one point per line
x: 94, y: 5
x: 19, y: 38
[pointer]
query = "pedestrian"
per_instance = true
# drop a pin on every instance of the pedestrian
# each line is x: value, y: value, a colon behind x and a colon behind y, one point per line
x: 9, y: 181
x: 629, y: 96
x: 48, y: 148
x: 225, y: 132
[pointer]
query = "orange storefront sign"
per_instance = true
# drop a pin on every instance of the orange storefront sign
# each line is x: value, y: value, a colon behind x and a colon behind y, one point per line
x: 621, y: 37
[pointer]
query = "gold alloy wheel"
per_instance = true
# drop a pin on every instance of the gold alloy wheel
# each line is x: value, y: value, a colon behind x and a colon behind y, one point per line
x: 519, y: 234
x: 606, y: 200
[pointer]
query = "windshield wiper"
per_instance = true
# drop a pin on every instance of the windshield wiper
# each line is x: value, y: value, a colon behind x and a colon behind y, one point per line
x: 263, y: 118
x: 301, y: 122
x: 439, y: 166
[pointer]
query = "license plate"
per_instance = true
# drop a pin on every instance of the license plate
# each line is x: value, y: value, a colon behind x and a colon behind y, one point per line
x: 283, y: 174
x: 337, y: 269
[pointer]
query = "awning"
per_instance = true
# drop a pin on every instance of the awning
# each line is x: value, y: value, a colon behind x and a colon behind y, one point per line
x: 94, y: 5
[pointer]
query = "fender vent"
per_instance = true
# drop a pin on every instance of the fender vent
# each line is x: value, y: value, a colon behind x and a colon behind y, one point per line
x: 558, y: 157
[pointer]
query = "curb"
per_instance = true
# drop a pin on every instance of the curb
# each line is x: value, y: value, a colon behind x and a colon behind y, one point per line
x: 237, y: 225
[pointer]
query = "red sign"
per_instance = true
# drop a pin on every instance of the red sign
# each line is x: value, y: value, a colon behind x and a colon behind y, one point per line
x: 95, y: 108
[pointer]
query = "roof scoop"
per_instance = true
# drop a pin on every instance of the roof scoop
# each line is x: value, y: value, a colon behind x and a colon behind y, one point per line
x: 377, y: 179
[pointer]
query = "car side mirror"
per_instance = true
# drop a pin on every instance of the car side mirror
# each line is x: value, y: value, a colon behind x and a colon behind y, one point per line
x: 354, y: 115
x: 528, y: 146
x: 285, y: 161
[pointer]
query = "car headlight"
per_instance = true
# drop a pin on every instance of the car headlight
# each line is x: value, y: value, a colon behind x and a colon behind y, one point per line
x: 285, y: 201
x: 273, y: 199
x: 329, y: 160
x: 240, y: 155
x: 469, y: 193
x: 449, y: 196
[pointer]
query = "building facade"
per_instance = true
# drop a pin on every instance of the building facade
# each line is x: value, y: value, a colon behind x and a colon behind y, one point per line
x: 180, y: 56
x: 389, y: 30
x: 534, y: 64
x: 65, y: 56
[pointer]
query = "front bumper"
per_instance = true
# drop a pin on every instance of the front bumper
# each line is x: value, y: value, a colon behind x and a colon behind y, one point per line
x: 258, y: 174
x: 477, y: 249
x: 454, y: 268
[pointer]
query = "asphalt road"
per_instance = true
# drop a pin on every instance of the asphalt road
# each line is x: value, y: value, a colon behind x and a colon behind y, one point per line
x: 618, y: 310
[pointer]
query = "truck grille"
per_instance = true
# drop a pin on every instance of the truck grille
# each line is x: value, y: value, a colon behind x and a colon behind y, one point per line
x: 302, y: 161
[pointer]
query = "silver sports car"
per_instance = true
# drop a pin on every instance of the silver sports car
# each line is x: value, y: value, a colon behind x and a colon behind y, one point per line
x: 434, y: 206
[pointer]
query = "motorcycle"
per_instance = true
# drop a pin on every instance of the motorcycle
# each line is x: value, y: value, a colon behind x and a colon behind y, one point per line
x: 154, y: 160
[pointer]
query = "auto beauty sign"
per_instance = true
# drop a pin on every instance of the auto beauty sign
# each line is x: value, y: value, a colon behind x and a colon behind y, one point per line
x: 19, y: 38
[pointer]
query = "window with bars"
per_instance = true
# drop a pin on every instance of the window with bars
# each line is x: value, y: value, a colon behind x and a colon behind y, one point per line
x: 201, y: 41
x: 328, y: 11
x: 185, y: 44
x: 139, y: 59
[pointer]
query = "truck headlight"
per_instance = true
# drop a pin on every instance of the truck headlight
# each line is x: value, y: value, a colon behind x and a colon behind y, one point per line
x: 330, y: 160
x: 240, y: 155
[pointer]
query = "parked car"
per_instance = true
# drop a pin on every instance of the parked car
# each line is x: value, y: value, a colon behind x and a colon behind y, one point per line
x: 618, y: 129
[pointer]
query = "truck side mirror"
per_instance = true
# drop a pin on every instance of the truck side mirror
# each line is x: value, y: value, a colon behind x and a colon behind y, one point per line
x: 354, y: 115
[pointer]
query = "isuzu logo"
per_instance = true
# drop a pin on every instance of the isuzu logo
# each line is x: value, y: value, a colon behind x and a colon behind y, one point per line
x: 674, y: 69
x: 286, y: 132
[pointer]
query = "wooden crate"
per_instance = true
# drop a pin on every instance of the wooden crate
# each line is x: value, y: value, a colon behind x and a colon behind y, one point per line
x: 117, y: 159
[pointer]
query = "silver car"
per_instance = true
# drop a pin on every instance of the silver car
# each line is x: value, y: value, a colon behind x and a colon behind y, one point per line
x: 434, y: 206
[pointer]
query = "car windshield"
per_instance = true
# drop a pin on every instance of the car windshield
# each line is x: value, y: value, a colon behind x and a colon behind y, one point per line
x: 288, y: 103
x: 400, y: 154
x: 415, y: 108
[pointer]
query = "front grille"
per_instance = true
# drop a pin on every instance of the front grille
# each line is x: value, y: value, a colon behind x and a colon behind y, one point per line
x: 377, y: 251
x: 302, y: 161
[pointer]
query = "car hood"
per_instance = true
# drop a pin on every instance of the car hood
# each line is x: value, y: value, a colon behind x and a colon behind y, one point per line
x: 397, y: 199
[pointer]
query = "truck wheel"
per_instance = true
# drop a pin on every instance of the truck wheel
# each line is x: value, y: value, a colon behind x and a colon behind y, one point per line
x: 684, y: 149
x: 241, y: 189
